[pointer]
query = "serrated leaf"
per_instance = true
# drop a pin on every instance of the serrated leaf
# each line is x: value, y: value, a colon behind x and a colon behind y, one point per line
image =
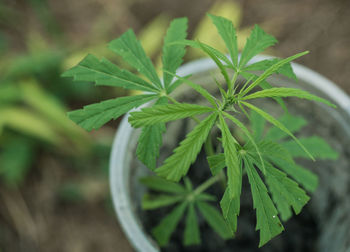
x: 265, y: 85
x: 150, y: 141
x: 105, y: 73
x: 198, y: 88
x: 217, y: 61
x: 286, y: 92
x: 214, y: 219
x: 132, y: 52
x: 162, y: 185
x: 271, y: 149
x: 228, y: 34
x: 166, y: 113
x: 257, y: 124
x: 192, y: 233
x: 263, y: 65
x: 285, y: 192
x: 167, y: 226
x: 247, y: 133
x: 279, y: 125
x: 234, y: 170
x: 177, y: 83
x: 267, y: 220
x: 257, y: 42
x: 274, y: 68
x: 150, y: 202
x: 216, y: 163
x: 173, y: 54
x: 95, y: 115
x: 304, y: 177
x: 230, y: 210
x: 317, y: 146
x: 293, y: 123
x: 185, y: 154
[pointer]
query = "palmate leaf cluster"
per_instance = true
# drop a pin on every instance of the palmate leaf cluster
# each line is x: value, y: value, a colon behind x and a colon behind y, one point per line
x: 276, y: 181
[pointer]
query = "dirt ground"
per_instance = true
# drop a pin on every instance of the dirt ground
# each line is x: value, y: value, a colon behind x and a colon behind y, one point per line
x: 32, y: 219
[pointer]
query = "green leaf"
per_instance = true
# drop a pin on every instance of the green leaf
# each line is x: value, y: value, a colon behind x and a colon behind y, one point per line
x: 304, y: 177
x: 263, y: 65
x: 247, y: 133
x: 185, y: 154
x: 228, y: 34
x: 177, y: 83
x: 286, y: 192
x: 257, y: 124
x: 267, y: 220
x: 132, y: 52
x: 192, y: 233
x: 214, y: 219
x: 274, y: 68
x: 165, y: 113
x: 150, y: 202
x: 95, y: 115
x: 198, y: 88
x: 265, y: 85
x: 293, y: 124
x: 150, y: 141
x: 216, y: 163
x: 230, y: 210
x: 271, y: 149
x: 317, y: 146
x: 217, y: 61
x: 162, y: 185
x: 167, y: 226
x: 234, y: 170
x: 206, y: 197
x: 286, y: 92
x: 275, y: 122
x: 173, y: 54
x: 257, y: 42
x: 107, y: 74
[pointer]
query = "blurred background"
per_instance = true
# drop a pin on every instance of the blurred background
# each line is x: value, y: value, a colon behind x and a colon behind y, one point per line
x: 54, y: 192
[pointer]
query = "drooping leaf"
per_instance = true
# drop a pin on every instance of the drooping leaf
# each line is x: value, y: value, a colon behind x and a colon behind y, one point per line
x: 317, y: 146
x: 150, y: 141
x: 228, y: 34
x: 132, y: 52
x: 167, y: 225
x: 214, y: 219
x: 95, y: 115
x: 293, y: 124
x: 185, y: 154
x: 105, y: 73
x: 267, y: 220
x: 275, y: 67
x: 234, y: 170
x: 263, y: 65
x: 191, y: 233
x: 278, y: 124
x: 165, y: 113
x: 286, y: 92
x: 230, y: 210
x: 173, y: 53
x: 162, y: 185
x: 216, y: 163
x: 257, y: 42
x: 150, y: 202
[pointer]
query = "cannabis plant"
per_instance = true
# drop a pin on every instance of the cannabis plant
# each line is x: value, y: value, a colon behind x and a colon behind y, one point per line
x: 265, y: 157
